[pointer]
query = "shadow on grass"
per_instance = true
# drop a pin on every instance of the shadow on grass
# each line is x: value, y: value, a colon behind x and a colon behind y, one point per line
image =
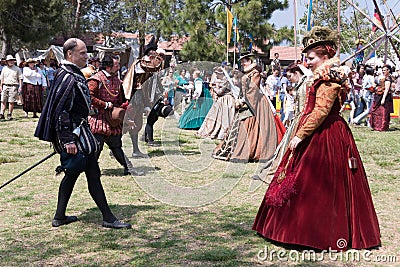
x: 123, y: 212
x: 162, y: 152
x: 117, y: 171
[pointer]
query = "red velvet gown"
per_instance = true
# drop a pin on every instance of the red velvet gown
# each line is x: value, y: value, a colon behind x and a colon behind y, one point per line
x: 380, y: 114
x: 321, y: 202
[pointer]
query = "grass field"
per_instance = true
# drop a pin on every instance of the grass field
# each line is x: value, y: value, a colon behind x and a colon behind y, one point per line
x: 189, y: 209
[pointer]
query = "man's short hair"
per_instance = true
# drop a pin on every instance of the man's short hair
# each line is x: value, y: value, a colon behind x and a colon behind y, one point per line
x: 70, y: 44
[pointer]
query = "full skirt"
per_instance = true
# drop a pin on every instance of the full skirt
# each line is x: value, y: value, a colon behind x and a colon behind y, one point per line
x: 219, y: 118
x: 321, y: 203
x: 196, y: 112
x: 252, y: 139
x: 32, y: 98
x: 380, y: 114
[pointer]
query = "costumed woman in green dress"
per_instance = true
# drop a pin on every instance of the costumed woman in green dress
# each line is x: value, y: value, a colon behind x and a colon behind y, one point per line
x: 196, y: 112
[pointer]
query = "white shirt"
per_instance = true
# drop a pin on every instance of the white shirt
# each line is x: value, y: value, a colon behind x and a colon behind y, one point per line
x: 274, y: 84
x: 289, y: 103
x: 11, y: 75
x: 35, y: 77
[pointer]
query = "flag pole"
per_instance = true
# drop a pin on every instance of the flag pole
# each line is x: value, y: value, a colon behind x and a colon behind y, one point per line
x: 295, y: 29
x: 338, y: 18
x: 227, y: 35
x: 309, y: 14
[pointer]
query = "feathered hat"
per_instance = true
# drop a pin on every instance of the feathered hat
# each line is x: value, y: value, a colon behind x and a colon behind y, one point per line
x: 150, y: 46
x: 247, y: 54
x: 320, y: 36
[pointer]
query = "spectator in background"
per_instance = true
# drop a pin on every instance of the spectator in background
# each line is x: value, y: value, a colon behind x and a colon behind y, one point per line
x: 276, y: 64
x: 357, y: 81
x: 168, y: 83
x: 180, y: 83
x: 2, y: 64
x: 32, y: 89
x: 273, y: 85
x: 282, y: 93
x: 289, y: 105
x: 368, y: 87
x: 10, y: 83
x: 50, y: 73
x: 123, y: 71
x: 383, y: 101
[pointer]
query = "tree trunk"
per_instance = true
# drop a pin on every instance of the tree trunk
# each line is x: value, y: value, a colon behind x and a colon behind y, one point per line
x: 142, y: 40
x: 77, y: 17
x: 6, y: 47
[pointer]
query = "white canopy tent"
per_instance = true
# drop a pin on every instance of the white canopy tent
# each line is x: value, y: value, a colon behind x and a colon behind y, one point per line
x: 53, y: 52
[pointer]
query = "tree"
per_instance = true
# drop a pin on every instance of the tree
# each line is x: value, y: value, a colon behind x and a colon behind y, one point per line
x: 253, y: 22
x: 205, y: 23
x: 28, y: 23
x: 198, y: 22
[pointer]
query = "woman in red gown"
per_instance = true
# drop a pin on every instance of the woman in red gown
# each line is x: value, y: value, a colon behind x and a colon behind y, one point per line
x: 383, y: 101
x: 319, y: 196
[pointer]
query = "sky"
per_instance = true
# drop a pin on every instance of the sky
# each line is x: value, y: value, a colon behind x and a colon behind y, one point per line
x: 286, y: 17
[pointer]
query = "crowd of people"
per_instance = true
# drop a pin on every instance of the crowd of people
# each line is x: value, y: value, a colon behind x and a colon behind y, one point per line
x: 371, y: 97
x: 235, y: 107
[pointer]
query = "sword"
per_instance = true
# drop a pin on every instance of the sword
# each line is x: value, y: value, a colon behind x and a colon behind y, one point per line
x: 30, y: 168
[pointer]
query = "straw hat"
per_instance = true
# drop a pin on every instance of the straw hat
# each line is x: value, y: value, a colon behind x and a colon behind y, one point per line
x: 31, y: 60
x: 10, y: 58
x: 319, y: 36
x: 359, y: 41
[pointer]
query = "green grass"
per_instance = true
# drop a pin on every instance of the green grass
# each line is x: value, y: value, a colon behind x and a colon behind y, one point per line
x: 215, y: 230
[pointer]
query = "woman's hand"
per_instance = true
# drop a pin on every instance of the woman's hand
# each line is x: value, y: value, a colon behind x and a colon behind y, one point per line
x: 294, y: 143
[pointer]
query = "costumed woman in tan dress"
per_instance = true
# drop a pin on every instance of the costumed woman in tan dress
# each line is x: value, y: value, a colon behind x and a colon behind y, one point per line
x: 222, y: 112
x: 301, y: 76
x: 254, y: 134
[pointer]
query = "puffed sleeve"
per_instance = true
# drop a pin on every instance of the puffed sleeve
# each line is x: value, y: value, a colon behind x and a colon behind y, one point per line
x: 94, y: 94
x: 326, y: 95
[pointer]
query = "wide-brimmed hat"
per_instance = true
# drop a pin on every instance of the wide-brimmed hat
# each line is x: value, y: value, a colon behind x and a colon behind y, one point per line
x: 246, y: 55
x: 320, y: 36
x: 10, y: 57
x: 161, y: 51
x: 31, y: 60
x: 218, y: 70
x: 166, y: 111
